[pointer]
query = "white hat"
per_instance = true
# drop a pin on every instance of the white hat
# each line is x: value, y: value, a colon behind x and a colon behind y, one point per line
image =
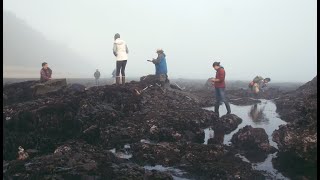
x: 159, y: 49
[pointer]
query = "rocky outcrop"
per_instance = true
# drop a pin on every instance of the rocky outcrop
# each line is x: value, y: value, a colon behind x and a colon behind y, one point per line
x: 18, y: 92
x: 67, y: 134
x: 78, y: 160
x: 303, y: 143
x: 204, y: 161
x: 299, y: 137
x: 253, y: 142
x: 227, y: 123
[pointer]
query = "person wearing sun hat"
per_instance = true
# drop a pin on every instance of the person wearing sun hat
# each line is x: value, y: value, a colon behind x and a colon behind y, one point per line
x: 161, y: 66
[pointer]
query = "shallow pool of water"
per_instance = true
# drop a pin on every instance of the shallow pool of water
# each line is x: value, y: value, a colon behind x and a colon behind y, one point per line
x: 261, y: 115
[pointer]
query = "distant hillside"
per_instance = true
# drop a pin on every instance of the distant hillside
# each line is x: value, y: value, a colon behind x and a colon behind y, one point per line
x: 24, y: 49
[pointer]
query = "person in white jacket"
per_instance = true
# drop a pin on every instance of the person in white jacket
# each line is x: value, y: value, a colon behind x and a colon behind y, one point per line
x: 120, y: 50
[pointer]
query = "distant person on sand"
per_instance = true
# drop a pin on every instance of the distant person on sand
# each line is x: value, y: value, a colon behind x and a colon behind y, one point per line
x: 161, y: 66
x: 258, y: 83
x: 219, y: 84
x: 114, y: 76
x: 45, y: 73
x: 97, y: 76
x: 114, y: 73
x: 120, y: 50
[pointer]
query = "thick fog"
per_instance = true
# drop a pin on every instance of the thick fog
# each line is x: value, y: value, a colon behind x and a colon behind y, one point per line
x: 271, y: 38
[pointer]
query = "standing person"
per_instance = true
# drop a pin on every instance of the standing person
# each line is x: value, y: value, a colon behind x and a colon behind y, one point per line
x: 45, y: 73
x: 161, y: 66
x: 219, y: 84
x: 97, y: 76
x: 120, y: 50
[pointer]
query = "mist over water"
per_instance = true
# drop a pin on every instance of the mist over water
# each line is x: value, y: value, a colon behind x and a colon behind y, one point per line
x: 267, y: 38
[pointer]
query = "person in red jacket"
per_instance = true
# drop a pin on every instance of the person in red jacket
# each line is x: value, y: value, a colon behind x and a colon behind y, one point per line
x: 45, y: 73
x: 219, y: 84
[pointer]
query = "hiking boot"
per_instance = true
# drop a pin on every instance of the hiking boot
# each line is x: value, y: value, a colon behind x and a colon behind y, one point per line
x: 216, y: 109
x: 117, y: 80
x: 123, y: 80
x: 228, y: 107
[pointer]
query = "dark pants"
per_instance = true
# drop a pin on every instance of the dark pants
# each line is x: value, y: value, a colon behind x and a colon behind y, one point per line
x: 221, y: 97
x: 121, y: 66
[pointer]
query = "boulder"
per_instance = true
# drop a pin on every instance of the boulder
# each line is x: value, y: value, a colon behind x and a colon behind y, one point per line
x: 253, y: 142
x: 298, y: 139
x: 227, y: 123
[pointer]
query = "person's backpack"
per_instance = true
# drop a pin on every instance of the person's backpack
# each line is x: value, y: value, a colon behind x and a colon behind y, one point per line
x: 257, y: 79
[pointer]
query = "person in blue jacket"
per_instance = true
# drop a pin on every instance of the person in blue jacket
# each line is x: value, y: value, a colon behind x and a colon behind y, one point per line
x: 161, y: 66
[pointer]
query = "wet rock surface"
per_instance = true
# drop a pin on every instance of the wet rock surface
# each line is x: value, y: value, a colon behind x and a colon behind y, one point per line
x: 253, y: 142
x: 203, y: 161
x: 227, y: 123
x: 72, y: 130
x: 298, y: 139
x: 18, y: 92
x: 78, y: 160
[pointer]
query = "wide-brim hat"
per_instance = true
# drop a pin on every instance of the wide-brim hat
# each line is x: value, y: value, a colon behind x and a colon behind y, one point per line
x: 159, y: 50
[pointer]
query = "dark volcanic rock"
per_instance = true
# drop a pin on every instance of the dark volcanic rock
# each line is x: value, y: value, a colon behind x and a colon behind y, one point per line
x: 71, y: 158
x: 254, y: 142
x: 37, y: 125
x: 206, y: 97
x: 19, y: 92
x: 293, y: 166
x: 167, y: 154
x: 205, y: 161
x: 133, y: 171
x: 218, y: 137
x: 68, y: 134
x: 299, y: 137
x: 303, y: 143
x: 77, y: 160
x: 227, y: 123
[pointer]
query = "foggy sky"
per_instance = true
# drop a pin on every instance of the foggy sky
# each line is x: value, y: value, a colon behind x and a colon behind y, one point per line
x: 271, y: 38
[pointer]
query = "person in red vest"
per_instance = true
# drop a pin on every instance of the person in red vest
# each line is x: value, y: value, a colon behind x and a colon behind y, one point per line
x: 219, y: 84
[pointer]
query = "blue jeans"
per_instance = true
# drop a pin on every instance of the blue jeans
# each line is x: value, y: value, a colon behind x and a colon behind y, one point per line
x: 220, y: 96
